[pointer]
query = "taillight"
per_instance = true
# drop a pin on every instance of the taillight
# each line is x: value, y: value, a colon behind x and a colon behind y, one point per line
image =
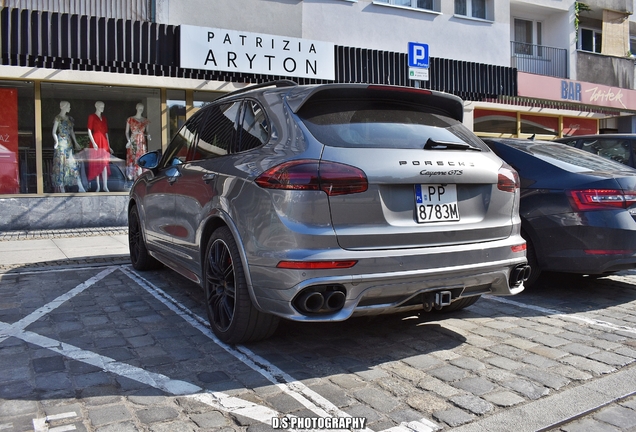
x: 507, y: 179
x: 599, y: 199
x: 518, y: 248
x: 308, y: 174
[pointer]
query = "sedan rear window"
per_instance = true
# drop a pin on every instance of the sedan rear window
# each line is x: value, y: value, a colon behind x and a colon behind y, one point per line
x: 572, y: 159
x: 382, y: 124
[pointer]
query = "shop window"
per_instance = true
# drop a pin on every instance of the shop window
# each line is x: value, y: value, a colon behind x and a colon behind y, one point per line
x: 579, y: 126
x: 539, y: 125
x: 17, y: 139
x: 502, y: 123
x: 120, y: 121
x: 176, y: 105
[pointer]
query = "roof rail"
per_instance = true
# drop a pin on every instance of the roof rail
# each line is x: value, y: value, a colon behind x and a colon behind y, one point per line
x: 277, y: 83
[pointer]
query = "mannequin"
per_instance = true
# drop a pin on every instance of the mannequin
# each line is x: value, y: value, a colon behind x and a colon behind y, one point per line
x: 65, y: 169
x: 98, y: 134
x: 136, y: 146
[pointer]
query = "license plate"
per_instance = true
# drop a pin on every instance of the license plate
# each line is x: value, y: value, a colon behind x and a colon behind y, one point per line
x: 436, y: 203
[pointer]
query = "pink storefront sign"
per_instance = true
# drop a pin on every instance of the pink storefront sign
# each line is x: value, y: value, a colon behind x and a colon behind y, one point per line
x: 557, y: 89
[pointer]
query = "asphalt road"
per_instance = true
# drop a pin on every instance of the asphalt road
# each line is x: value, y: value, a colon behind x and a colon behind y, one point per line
x: 105, y: 348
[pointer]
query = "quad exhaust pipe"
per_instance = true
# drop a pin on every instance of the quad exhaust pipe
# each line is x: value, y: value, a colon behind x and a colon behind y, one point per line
x: 519, y: 274
x: 313, y: 301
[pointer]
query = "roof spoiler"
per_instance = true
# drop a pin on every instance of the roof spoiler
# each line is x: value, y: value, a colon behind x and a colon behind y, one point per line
x: 444, y: 103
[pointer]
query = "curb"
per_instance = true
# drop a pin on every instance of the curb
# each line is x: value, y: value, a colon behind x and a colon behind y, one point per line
x: 61, y: 233
x: 66, y: 264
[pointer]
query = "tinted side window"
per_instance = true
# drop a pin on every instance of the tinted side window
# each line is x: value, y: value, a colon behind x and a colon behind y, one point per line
x: 218, y: 132
x: 181, y: 147
x: 254, y: 130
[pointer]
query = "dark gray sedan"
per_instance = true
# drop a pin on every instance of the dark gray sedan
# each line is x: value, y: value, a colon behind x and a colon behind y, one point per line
x: 317, y: 203
x: 578, y: 210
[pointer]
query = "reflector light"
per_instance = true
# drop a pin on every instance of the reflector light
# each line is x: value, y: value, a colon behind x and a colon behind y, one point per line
x: 608, y: 252
x: 316, y: 265
x: 309, y: 174
x: 598, y: 199
x: 518, y: 248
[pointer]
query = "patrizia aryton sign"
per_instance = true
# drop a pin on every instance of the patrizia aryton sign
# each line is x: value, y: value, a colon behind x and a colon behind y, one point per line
x: 246, y: 52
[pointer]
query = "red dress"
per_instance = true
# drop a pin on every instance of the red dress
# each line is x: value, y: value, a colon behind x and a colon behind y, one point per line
x: 100, y: 157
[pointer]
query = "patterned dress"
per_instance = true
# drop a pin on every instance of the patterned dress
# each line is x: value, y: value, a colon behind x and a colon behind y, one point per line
x: 100, y: 157
x: 138, y: 145
x: 65, y: 169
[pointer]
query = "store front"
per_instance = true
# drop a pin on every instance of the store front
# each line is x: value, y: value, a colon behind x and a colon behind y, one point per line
x: 76, y: 110
x: 549, y: 108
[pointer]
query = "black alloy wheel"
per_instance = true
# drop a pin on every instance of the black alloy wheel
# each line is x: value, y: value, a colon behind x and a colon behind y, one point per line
x: 139, y: 256
x: 232, y: 316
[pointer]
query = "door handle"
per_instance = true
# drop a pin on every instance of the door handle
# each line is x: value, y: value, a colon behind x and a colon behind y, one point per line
x: 207, y: 178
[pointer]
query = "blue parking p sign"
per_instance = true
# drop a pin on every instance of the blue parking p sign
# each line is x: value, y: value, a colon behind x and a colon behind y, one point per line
x: 418, y: 55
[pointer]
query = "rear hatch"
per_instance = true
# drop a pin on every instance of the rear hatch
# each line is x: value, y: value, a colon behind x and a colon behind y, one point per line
x: 431, y: 182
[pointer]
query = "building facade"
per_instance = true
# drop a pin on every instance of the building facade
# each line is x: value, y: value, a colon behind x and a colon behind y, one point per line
x: 546, y: 68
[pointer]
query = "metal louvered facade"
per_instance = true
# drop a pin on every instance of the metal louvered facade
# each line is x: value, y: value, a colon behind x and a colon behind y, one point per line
x: 136, y: 10
x: 61, y: 40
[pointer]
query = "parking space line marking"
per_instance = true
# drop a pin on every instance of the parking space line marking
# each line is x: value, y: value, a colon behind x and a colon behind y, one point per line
x: 63, y: 428
x: 51, y: 306
x: 574, y: 316
x: 61, y: 416
x: 173, y: 387
x: 294, y: 388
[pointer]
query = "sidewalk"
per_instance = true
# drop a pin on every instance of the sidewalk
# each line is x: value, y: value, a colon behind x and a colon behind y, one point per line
x: 55, y: 248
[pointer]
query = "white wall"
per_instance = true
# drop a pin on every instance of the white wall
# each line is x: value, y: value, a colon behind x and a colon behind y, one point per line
x: 357, y: 24
x: 368, y: 25
x: 277, y: 17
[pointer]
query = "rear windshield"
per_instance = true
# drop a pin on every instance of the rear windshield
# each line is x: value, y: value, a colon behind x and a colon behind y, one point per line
x: 382, y: 124
x: 572, y: 159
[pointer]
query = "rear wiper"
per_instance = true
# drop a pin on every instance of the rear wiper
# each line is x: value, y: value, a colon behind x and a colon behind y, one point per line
x: 431, y: 144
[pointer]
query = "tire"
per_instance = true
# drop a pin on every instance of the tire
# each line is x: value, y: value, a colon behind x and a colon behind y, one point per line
x: 535, y: 270
x: 232, y: 316
x: 139, y: 256
x: 460, y: 304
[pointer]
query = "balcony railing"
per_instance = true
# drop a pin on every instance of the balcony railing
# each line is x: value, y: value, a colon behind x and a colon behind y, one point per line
x: 539, y: 59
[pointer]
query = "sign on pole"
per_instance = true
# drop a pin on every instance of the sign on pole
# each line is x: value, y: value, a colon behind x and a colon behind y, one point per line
x: 418, y: 61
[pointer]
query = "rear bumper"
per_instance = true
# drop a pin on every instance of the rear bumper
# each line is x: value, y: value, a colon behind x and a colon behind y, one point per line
x: 586, y: 243
x: 393, y: 283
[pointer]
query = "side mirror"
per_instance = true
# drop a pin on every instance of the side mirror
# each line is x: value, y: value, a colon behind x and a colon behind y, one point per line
x: 149, y: 160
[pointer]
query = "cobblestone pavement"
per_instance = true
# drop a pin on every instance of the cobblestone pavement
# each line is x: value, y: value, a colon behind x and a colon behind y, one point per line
x: 110, y: 349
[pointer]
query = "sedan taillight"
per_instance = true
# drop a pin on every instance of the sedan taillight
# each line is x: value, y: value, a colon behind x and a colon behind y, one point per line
x: 507, y: 179
x: 599, y: 199
x: 308, y: 174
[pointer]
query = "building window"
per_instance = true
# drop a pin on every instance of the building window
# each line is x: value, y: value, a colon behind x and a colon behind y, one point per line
x: 590, y: 40
x: 17, y: 138
x: 92, y: 135
x: 471, y: 8
x: 432, y: 5
x: 527, y: 37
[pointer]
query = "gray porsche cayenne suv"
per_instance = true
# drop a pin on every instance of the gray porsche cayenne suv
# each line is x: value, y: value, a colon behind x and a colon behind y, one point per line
x: 322, y: 202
